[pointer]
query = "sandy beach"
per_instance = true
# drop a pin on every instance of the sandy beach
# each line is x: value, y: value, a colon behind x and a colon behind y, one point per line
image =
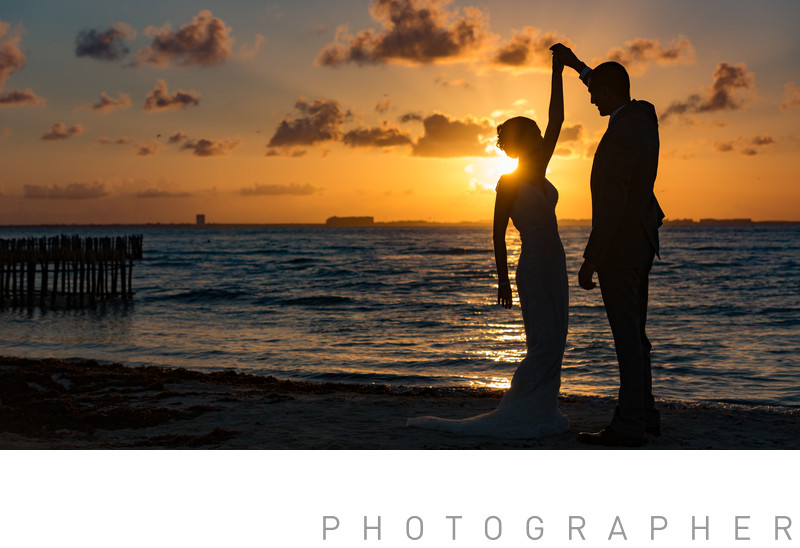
x: 52, y: 404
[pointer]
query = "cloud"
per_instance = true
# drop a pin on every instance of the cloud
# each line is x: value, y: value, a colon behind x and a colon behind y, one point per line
x: 571, y: 133
x: 205, y: 41
x: 747, y: 147
x: 412, y: 117
x: 383, y: 106
x: 106, y: 45
x: 177, y: 137
x: 637, y: 54
x: 121, y: 141
x: 297, y: 153
x: 107, y: 104
x: 155, y: 193
x: 277, y: 190
x: 149, y: 148
x: 446, y: 138
x: 59, y: 130
x: 732, y: 87
x: 320, y: 121
x: 211, y: 147
x: 159, y: 98
x: 753, y: 145
x: 414, y: 32
x: 529, y: 48
x: 376, y: 137
x: 458, y: 83
x: 693, y: 123
x: 323, y: 120
x: 11, y: 57
x: 763, y: 140
x: 791, y: 97
x: 72, y: 191
x: 18, y: 98
x: 11, y: 60
x: 249, y: 52
x: 726, y: 146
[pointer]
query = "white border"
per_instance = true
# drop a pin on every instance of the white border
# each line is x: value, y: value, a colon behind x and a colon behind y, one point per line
x: 279, y: 498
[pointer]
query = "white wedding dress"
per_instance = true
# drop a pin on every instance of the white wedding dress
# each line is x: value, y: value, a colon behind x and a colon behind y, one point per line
x: 529, y: 408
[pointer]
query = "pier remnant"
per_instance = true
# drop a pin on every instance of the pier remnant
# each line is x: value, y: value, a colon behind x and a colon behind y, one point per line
x: 67, y: 271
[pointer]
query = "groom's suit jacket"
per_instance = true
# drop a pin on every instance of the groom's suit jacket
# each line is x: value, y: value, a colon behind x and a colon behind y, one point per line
x: 625, y: 212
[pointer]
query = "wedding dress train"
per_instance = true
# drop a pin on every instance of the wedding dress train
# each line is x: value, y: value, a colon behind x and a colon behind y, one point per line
x: 529, y: 408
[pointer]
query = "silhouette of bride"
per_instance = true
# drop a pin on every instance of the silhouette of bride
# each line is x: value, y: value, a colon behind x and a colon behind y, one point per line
x: 529, y: 408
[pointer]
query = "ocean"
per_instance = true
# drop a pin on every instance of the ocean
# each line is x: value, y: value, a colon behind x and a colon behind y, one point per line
x: 415, y: 306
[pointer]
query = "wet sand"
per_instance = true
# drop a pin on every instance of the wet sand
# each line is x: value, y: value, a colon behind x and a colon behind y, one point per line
x: 52, y: 404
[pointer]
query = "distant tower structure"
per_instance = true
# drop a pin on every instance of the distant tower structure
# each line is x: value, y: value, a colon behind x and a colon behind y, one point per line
x: 201, y: 220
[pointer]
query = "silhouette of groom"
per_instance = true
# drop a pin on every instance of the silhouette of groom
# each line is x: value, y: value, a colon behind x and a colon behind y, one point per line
x: 623, y: 241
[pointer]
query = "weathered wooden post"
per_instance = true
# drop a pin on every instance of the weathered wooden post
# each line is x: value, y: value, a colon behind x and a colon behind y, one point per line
x: 44, y: 260
x: 2, y: 274
x: 74, y: 259
x: 31, y: 266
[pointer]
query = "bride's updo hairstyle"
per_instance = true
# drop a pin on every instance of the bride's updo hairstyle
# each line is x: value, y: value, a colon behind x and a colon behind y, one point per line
x: 517, y: 134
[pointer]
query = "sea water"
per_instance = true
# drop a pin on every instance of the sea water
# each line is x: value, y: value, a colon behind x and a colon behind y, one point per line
x: 416, y: 306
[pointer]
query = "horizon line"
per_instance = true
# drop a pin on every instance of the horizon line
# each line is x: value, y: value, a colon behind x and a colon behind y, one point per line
x: 577, y: 222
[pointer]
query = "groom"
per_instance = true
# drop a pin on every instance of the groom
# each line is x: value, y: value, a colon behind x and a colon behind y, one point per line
x: 623, y: 241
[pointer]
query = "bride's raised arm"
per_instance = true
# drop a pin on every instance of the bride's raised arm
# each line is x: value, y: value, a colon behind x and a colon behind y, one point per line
x: 556, y: 113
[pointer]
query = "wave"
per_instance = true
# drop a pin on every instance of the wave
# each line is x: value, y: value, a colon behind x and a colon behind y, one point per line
x: 367, y: 378
x: 458, y: 251
x: 264, y: 252
x: 343, y: 273
x: 319, y: 300
x: 780, y: 310
x: 201, y: 295
x: 786, y: 408
x: 169, y: 263
x: 399, y: 381
x: 711, y: 248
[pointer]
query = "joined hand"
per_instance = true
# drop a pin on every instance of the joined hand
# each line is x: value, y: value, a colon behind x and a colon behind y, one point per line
x: 566, y: 56
x: 585, y: 275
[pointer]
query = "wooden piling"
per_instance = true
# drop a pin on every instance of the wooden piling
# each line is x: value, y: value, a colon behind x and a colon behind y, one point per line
x: 83, y: 270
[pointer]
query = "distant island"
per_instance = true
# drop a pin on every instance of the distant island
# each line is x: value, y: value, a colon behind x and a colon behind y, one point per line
x: 350, y: 221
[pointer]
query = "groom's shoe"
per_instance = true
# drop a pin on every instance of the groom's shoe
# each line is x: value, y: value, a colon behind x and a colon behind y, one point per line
x: 610, y: 438
x: 654, y: 431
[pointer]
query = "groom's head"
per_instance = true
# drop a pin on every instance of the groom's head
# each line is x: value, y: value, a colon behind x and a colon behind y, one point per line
x: 609, y: 86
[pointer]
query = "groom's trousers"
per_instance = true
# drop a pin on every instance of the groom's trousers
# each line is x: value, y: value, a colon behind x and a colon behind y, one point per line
x: 625, y: 292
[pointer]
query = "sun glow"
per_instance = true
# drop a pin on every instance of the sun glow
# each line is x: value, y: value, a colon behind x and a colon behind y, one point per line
x: 503, y: 164
x: 500, y: 164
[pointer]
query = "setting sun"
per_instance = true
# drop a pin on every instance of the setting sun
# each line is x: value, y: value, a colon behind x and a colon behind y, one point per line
x: 503, y: 164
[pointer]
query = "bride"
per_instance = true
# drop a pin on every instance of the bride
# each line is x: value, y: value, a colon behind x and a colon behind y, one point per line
x: 529, y: 408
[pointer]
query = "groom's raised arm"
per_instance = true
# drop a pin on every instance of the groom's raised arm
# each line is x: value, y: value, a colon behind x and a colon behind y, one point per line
x: 569, y: 59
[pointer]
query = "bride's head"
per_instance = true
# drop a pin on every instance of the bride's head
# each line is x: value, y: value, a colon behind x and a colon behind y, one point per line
x: 519, y: 136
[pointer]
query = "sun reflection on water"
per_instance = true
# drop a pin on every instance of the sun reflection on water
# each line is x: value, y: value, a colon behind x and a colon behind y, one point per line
x: 500, y: 383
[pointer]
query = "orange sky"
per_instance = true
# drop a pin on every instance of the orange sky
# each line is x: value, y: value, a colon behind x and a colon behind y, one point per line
x: 293, y: 113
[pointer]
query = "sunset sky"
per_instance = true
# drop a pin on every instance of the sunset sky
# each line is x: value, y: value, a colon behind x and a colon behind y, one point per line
x: 272, y: 112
